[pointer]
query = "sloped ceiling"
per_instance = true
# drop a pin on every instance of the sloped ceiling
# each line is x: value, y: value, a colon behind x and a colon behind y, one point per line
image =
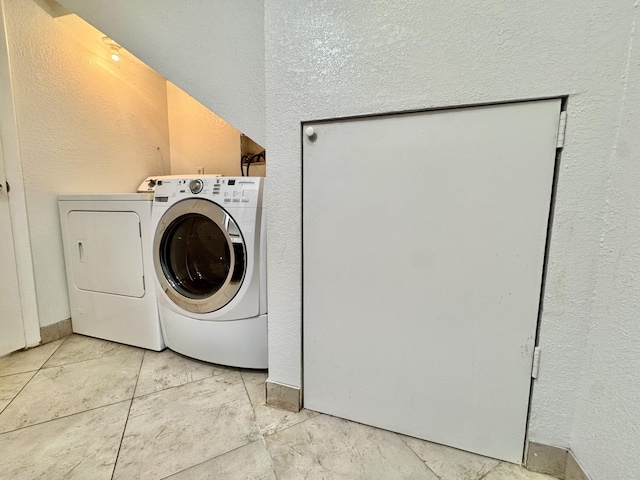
x: 213, y: 50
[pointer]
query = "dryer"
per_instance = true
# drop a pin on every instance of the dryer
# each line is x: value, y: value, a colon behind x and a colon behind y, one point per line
x: 109, y: 265
x: 209, y: 256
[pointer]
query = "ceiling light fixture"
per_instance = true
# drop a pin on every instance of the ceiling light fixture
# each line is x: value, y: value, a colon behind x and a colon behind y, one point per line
x: 114, y: 48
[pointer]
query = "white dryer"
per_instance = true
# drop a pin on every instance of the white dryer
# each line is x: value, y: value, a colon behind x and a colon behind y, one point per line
x: 109, y: 263
x: 209, y: 254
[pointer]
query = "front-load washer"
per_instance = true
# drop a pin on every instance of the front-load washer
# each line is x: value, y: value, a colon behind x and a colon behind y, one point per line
x: 107, y: 242
x: 209, y: 254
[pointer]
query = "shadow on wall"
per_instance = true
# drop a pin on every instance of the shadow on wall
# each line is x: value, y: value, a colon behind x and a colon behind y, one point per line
x: 201, y: 141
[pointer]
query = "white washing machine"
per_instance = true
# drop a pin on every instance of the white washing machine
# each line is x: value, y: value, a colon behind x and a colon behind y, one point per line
x: 109, y: 262
x: 209, y: 254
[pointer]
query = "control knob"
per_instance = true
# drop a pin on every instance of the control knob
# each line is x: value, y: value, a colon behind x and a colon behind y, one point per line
x: 196, y: 186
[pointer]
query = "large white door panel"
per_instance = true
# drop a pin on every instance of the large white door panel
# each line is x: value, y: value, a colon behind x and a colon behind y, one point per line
x: 423, y: 248
x: 11, y: 327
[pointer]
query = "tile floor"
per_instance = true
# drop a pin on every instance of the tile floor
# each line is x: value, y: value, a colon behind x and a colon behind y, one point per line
x: 82, y: 408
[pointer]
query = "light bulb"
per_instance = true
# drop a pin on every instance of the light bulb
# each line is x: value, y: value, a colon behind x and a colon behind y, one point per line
x: 115, y: 54
x: 114, y: 48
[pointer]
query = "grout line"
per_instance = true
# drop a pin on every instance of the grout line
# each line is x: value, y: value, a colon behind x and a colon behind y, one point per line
x: 299, y: 423
x: 183, y: 384
x: 401, y: 437
x: 126, y: 421
x: 209, y: 459
x: 64, y: 416
x: 246, y: 390
x: 490, y: 470
x: 19, y: 391
x: 54, y: 351
x: 262, y: 434
x: 273, y: 466
x: 89, y: 359
x: 64, y: 339
x: 29, y: 381
x: 19, y: 373
x: 51, y: 367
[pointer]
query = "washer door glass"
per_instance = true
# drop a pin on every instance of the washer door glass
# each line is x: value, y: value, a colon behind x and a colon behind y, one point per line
x: 195, y: 256
x: 199, y: 255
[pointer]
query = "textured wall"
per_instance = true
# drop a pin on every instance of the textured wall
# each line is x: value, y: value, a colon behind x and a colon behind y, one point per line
x: 199, y: 138
x: 85, y: 125
x: 606, y: 434
x: 213, y: 50
x: 332, y: 58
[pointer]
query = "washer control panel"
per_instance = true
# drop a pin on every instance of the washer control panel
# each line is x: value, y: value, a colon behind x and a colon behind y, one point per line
x: 226, y: 191
x: 149, y: 183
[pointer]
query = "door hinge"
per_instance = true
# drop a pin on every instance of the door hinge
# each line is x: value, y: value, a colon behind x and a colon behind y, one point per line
x: 536, y: 362
x: 562, y: 128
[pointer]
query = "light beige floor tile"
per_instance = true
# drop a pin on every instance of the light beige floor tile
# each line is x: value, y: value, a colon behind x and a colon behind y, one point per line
x: 325, y: 447
x: 509, y: 471
x: 177, y: 428
x: 162, y: 370
x: 270, y: 419
x: 82, y: 446
x: 251, y: 462
x: 28, y: 360
x: 78, y: 348
x: 449, y: 463
x: 11, y: 385
x: 73, y: 388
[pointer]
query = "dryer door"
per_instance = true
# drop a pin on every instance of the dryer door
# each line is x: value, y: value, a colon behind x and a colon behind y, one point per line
x: 199, y: 255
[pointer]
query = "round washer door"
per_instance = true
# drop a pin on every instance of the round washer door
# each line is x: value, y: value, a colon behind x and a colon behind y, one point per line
x: 199, y: 255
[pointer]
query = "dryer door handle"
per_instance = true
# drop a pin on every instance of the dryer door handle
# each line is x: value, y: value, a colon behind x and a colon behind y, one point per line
x: 81, y: 251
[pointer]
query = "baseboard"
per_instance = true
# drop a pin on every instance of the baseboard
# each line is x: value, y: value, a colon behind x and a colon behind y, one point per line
x: 51, y: 333
x: 283, y: 396
x: 555, y: 461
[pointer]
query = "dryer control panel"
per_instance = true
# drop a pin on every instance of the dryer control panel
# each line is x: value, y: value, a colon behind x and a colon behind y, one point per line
x: 226, y: 191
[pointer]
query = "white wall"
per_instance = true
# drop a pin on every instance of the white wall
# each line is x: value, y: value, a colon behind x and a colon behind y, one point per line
x: 214, y: 50
x: 333, y: 58
x: 200, y: 138
x: 85, y: 124
x: 606, y: 433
